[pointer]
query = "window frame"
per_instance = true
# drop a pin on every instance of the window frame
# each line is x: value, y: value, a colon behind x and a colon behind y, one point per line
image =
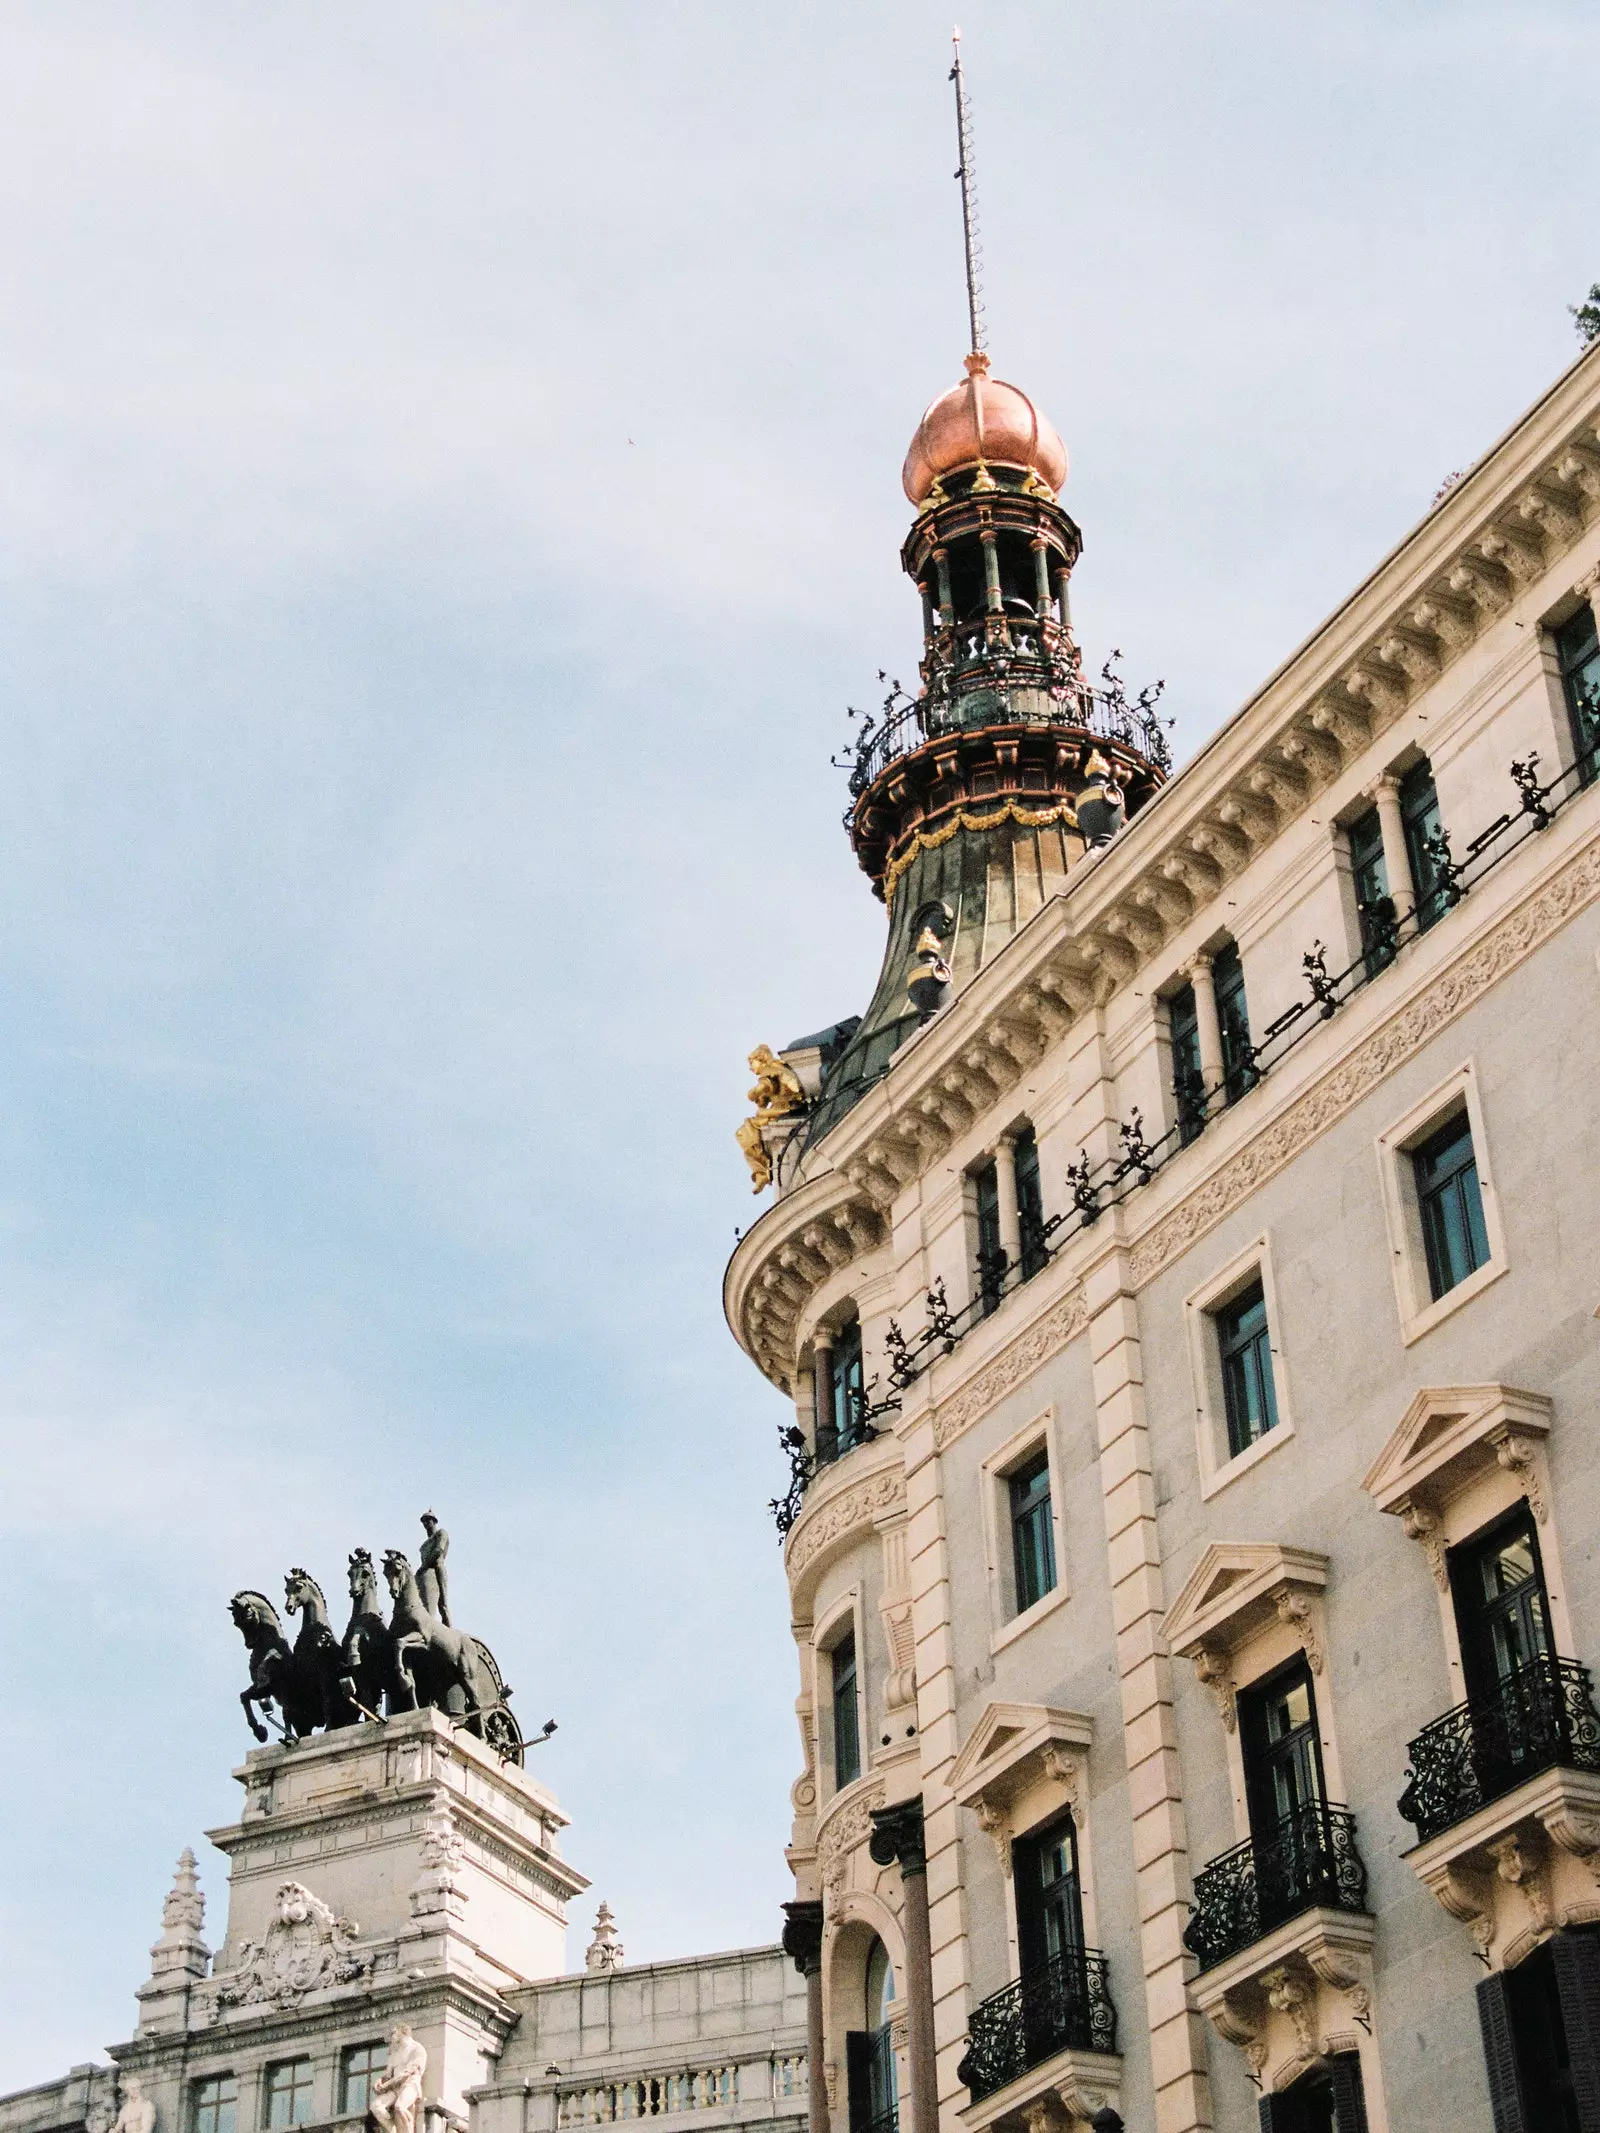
x: 989, y: 1262
x: 197, y: 2103
x: 308, y: 2088
x: 1220, y: 1465
x: 1187, y: 1078
x: 1431, y: 902
x: 1569, y: 666
x: 841, y: 1625
x: 1008, y: 1621
x: 1242, y: 1356
x: 1419, y: 1309
x: 1035, y: 1256
x: 1433, y: 1195
x: 1239, y: 1075
x: 1033, y: 1537
x: 347, y: 2109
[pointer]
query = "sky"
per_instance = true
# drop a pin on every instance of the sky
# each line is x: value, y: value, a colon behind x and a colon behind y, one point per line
x: 449, y: 496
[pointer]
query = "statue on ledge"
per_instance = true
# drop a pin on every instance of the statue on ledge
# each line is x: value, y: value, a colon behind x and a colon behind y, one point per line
x: 776, y: 1095
x: 396, y: 2099
x: 431, y: 1579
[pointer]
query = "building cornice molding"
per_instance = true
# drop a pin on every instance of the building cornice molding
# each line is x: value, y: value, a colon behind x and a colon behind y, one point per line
x: 780, y: 1262
x: 1056, y: 1328
x: 836, y: 1507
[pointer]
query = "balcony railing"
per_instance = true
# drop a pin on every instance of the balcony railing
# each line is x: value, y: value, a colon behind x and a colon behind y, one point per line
x: 1310, y: 1864
x: 1542, y: 1717
x: 1064, y: 2005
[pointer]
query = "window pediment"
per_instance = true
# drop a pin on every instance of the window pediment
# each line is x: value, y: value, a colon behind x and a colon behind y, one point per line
x: 1450, y: 1434
x: 1013, y: 1747
x: 1236, y: 1588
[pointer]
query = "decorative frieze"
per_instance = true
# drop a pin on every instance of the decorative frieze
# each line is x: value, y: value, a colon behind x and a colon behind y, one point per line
x: 818, y: 1527
x: 1062, y: 1323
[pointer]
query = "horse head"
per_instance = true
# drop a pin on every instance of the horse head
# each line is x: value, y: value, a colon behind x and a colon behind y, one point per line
x: 255, y: 1618
x: 397, y: 1571
x: 301, y: 1591
x: 363, y: 1578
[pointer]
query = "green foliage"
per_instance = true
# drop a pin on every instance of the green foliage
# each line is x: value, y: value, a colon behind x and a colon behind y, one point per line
x: 1587, y: 316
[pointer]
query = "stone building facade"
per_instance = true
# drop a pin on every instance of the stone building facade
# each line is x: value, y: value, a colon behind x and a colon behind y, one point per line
x: 1184, y: 1273
x: 402, y: 1872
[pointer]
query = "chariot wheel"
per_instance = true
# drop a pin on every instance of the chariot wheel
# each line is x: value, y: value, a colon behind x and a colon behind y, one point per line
x: 502, y: 1733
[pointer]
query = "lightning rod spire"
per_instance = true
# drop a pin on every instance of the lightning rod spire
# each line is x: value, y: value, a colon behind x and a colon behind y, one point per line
x: 969, y: 201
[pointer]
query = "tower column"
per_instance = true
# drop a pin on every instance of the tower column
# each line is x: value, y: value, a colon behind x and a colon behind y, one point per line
x: 822, y: 1380
x: 991, y: 571
x: 1005, y: 1180
x: 1041, y: 576
x: 1384, y: 794
x: 947, y: 602
x: 1207, y: 1027
x: 802, y: 1943
x: 897, y: 1835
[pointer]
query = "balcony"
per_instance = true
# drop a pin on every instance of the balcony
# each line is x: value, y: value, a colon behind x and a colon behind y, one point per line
x: 1311, y: 1864
x: 1063, y: 2006
x: 1540, y: 1718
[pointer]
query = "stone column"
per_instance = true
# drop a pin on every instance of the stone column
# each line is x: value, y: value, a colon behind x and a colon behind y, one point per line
x: 1384, y: 793
x: 1005, y: 1183
x: 1207, y: 1027
x: 1589, y: 586
x: 947, y: 601
x: 897, y: 1835
x: 822, y: 1387
x: 802, y: 1943
x: 1041, y: 577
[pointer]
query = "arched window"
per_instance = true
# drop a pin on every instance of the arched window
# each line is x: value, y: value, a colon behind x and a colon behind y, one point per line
x: 869, y: 2052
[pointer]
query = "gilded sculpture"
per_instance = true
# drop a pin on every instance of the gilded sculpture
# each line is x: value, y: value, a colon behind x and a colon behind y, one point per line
x: 777, y: 1094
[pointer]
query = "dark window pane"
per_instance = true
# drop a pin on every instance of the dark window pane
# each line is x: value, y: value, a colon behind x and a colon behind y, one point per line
x: 846, y: 1727
x: 215, y: 2104
x: 991, y: 1259
x: 848, y: 1398
x: 1030, y: 1204
x: 1501, y: 1611
x: 1244, y: 1345
x: 1450, y: 1205
x: 1369, y: 875
x: 1049, y: 1903
x: 1233, y: 1022
x: 1578, y: 649
x: 1033, y: 1544
x: 1419, y: 812
x: 1187, y: 1086
x: 1282, y: 1757
x: 361, y: 2063
x: 288, y: 2094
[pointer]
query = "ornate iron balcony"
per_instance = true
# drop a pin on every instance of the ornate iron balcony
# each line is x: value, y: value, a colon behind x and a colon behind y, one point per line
x: 1064, y: 2005
x: 1253, y: 1889
x: 1542, y: 1717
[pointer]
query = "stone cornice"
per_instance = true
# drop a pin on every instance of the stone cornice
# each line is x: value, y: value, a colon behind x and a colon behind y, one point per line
x: 840, y: 1501
x: 785, y: 1257
x: 378, y: 2000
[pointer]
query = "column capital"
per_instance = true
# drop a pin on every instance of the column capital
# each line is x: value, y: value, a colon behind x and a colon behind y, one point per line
x: 897, y: 1835
x: 802, y: 1936
x: 1202, y: 960
x: 1589, y: 583
x: 1387, y: 781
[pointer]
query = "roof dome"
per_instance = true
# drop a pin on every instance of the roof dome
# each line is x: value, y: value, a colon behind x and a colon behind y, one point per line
x: 984, y: 419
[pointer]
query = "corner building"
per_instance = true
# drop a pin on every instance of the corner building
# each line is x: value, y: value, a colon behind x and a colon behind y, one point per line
x: 1184, y: 1274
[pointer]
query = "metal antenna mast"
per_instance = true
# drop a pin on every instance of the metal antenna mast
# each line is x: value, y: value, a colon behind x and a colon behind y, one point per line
x: 969, y: 201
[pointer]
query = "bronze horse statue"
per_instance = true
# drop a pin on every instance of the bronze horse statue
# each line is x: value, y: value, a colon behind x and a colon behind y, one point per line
x: 366, y: 1665
x: 275, y: 1675
x: 315, y: 1657
x: 434, y: 1663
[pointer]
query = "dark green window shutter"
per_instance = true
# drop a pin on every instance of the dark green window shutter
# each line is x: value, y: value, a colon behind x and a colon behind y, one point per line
x: 1275, y: 2114
x: 1577, y: 1960
x: 1349, y: 2097
x: 1500, y: 2056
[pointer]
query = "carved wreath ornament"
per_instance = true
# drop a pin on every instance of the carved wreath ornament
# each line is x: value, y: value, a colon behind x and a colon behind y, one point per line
x: 306, y: 1948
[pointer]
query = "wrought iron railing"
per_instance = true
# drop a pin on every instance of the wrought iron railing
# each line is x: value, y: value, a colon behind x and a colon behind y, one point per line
x: 1542, y: 1717
x: 807, y: 1459
x: 1064, y: 2005
x: 1311, y: 1863
x: 1027, y: 678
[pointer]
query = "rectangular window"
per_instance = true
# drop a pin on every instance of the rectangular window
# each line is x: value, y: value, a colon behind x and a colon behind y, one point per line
x: 214, y: 2104
x: 1233, y: 1023
x: 1424, y: 829
x: 1578, y: 650
x: 1282, y: 1755
x: 1033, y: 1540
x: 1369, y: 875
x: 1030, y: 1204
x: 1244, y: 1348
x: 846, y: 1725
x: 1188, y: 1086
x: 1049, y: 1899
x: 849, y: 1400
x: 1450, y: 1205
x: 1502, y: 1611
x: 357, y: 2069
x: 991, y: 1254
x: 286, y: 2098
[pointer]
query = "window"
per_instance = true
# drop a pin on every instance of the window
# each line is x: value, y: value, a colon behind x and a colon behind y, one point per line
x: 1188, y: 1083
x: 1578, y: 652
x: 1537, y: 2020
x: 991, y: 1253
x: 1233, y: 1024
x: 1033, y: 1544
x: 356, y: 2070
x: 1049, y: 1898
x: 1282, y: 1755
x: 214, y: 2103
x: 1329, y: 2099
x: 871, y: 2077
x: 846, y: 1724
x: 1244, y: 1348
x: 1450, y: 1205
x: 1030, y: 1203
x: 1424, y: 829
x: 1503, y: 1616
x: 286, y: 2099
x: 1369, y: 875
x: 841, y: 1423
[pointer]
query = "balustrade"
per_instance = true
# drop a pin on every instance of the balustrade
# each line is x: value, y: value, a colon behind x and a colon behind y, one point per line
x: 1541, y: 1717
x: 664, y: 2095
x: 1311, y: 1863
x: 1064, y: 2005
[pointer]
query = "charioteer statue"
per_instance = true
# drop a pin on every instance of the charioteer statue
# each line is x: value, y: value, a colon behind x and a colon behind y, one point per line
x: 416, y: 1660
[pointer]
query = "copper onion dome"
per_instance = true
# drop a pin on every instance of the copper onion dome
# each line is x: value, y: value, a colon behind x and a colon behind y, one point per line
x: 983, y: 421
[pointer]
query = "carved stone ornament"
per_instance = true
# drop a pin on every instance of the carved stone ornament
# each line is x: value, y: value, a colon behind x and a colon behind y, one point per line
x: 305, y: 1948
x: 835, y: 1516
x: 840, y: 1834
x: 444, y: 1851
x: 1213, y: 1669
x: 138, y: 2113
x: 777, y: 1093
x: 1062, y: 1323
x: 605, y: 1952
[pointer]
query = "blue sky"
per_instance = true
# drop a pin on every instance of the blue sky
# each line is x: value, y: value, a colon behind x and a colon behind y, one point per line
x: 448, y: 495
